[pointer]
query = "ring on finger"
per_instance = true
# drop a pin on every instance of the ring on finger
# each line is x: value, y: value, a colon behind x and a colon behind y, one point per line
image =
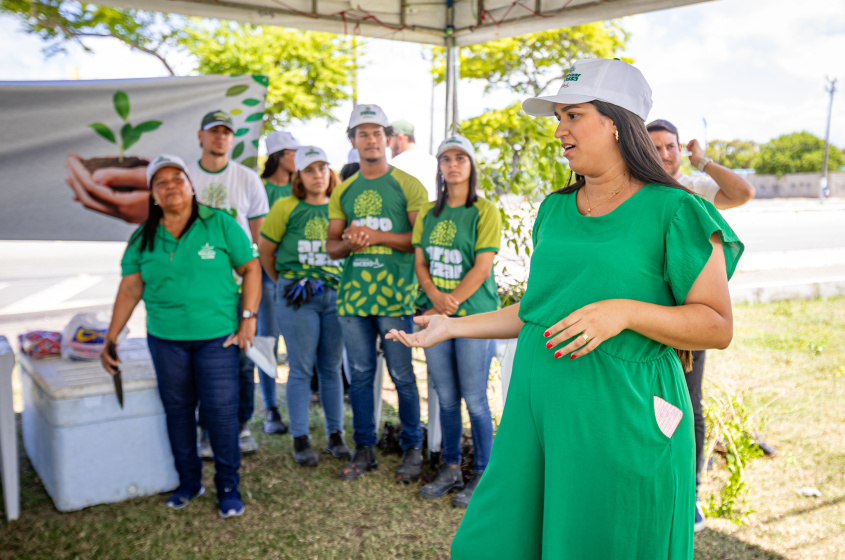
x: 585, y: 337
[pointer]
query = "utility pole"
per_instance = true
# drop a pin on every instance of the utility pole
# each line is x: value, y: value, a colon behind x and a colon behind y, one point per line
x: 705, y: 134
x: 823, y: 183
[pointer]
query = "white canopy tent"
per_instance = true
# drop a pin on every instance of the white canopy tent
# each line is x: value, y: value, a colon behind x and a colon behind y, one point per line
x: 449, y: 23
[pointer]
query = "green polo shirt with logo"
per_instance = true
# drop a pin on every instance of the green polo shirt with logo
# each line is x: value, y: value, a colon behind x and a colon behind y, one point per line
x: 275, y: 192
x: 451, y: 242
x: 189, y: 290
x: 378, y: 280
x: 300, y: 230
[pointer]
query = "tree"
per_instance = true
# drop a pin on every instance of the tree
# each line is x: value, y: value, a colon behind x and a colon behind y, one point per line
x: 309, y: 73
x: 61, y: 23
x: 736, y: 154
x: 796, y: 152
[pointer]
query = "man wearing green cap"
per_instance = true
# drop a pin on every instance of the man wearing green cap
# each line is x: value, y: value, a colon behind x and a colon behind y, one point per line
x: 237, y: 189
x: 410, y: 159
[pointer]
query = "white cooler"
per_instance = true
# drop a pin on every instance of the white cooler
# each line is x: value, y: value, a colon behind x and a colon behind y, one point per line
x: 86, y: 449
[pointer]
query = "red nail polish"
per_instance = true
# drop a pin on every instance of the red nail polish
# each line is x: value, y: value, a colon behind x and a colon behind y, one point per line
x: 572, y: 357
x: 548, y: 345
x: 558, y: 354
x: 547, y: 334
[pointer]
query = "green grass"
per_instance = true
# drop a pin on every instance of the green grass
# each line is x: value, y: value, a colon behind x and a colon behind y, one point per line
x: 789, y: 357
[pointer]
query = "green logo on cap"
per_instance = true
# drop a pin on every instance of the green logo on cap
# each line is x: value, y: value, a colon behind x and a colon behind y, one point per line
x: 312, y: 152
x: 368, y: 111
x: 452, y: 141
x: 160, y: 160
x: 572, y: 77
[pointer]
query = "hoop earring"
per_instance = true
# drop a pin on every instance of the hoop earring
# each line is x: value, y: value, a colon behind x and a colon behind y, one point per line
x: 616, y: 134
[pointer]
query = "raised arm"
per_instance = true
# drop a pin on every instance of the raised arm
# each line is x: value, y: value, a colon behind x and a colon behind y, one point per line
x: 733, y: 189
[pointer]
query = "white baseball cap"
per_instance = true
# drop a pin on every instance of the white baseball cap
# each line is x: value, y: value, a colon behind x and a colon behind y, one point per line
x: 456, y: 142
x: 612, y: 81
x: 353, y: 156
x: 277, y: 141
x: 368, y: 114
x: 306, y: 155
x: 162, y: 161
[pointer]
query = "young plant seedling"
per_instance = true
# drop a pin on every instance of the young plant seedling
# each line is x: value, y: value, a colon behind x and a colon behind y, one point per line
x: 129, y: 134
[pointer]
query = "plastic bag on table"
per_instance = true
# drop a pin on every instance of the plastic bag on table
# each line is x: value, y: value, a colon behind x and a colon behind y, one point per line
x: 85, y: 335
x: 40, y: 344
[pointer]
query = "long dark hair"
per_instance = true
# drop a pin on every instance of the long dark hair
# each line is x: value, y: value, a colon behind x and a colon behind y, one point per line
x: 272, y: 164
x: 154, y: 216
x: 443, y: 192
x: 641, y: 157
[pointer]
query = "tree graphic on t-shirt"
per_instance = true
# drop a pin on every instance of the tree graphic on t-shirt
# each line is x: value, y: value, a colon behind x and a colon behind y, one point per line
x: 317, y: 228
x: 443, y: 234
x: 368, y: 203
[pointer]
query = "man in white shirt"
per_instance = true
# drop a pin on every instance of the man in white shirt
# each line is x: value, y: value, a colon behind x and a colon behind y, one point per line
x: 415, y: 162
x: 725, y: 189
x: 237, y: 189
x: 721, y: 186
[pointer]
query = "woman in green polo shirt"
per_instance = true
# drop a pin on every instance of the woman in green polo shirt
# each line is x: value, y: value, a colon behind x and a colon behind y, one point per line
x: 180, y: 263
x: 292, y: 249
x: 456, y: 238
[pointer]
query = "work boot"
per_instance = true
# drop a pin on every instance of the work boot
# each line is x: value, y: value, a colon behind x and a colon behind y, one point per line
x: 303, y: 453
x: 204, y: 450
x: 363, y: 460
x: 449, y: 479
x: 337, y: 447
x: 463, y: 497
x: 273, y: 422
x: 410, y: 469
x: 246, y: 442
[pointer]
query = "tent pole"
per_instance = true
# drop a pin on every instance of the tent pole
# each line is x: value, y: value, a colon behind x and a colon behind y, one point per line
x: 456, y: 78
x: 450, y: 79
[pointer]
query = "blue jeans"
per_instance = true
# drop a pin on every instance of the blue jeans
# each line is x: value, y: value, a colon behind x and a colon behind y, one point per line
x: 460, y: 368
x: 189, y: 371
x: 359, y: 337
x: 313, y: 339
x: 267, y: 326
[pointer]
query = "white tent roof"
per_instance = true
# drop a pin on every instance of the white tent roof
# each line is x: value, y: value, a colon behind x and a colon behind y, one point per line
x: 421, y: 21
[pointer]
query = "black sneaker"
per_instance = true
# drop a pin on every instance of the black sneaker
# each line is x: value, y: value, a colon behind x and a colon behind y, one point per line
x: 410, y: 469
x: 363, y: 460
x: 303, y: 453
x: 449, y: 479
x: 337, y: 447
x: 463, y: 497
x: 700, y: 521
x: 273, y: 422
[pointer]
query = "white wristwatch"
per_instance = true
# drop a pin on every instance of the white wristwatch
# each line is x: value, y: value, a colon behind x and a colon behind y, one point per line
x: 248, y: 314
x: 703, y: 163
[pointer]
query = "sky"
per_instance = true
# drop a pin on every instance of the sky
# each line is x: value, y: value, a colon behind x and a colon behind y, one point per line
x: 754, y: 69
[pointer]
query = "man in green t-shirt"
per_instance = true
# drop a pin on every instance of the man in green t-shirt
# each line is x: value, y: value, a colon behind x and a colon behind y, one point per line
x: 371, y: 217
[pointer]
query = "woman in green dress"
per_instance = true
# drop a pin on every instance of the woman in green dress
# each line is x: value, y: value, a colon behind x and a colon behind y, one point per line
x: 594, y: 457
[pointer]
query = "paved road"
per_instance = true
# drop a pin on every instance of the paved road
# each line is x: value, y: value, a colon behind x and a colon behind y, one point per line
x: 794, y: 248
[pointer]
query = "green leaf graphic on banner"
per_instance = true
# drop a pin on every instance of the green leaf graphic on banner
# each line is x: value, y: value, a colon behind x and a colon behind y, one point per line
x: 236, y: 90
x: 251, y: 102
x: 255, y: 143
x: 254, y: 117
x: 263, y: 80
x: 235, y: 112
x: 147, y: 126
x: 121, y: 104
x: 103, y: 131
x: 241, y: 131
x: 239, y: 149
x: 251, y: 162
x: 129, y: 136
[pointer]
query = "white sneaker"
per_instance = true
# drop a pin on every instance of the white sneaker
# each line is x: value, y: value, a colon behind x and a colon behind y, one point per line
x: 700, y: 521
x: 246, y: 442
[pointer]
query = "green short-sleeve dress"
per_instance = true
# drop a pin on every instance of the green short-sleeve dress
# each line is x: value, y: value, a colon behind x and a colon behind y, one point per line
x: 580, y: 469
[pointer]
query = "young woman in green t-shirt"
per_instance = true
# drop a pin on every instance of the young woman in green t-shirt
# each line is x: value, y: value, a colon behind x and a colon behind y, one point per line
x: 455, y: 240
x: 292, y: 250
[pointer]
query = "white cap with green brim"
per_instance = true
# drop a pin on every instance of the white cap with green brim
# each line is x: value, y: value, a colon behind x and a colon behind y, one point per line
x: 306, y: 155
x: 612, y: 81
x: 456, y: 142
x: 162, y: 161
x: 278, y: 140
x: 368, y: 114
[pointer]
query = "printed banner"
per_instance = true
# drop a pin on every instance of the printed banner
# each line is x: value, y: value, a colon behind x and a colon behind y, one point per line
x: 73, y: 153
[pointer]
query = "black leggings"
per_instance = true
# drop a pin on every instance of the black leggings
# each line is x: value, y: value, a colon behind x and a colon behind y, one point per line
x: 694, y: 379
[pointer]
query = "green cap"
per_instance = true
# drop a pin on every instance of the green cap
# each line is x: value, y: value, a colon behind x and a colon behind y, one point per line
x: 402, y: 127
x: 215, y: 118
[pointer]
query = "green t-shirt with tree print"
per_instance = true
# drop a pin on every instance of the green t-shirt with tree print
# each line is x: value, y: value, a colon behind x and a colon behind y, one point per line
x: 378, y: 280
x: 275, y: 192
x: 300, y: 229
x: 451, y: 242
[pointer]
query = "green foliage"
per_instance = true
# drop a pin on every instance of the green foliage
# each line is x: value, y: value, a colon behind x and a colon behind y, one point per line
x: 736, y: 154
x: 308, y: 74
x: 730, y: 422
x: 797, y: 152
x: 59, y: 23
x: 129, y: 135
